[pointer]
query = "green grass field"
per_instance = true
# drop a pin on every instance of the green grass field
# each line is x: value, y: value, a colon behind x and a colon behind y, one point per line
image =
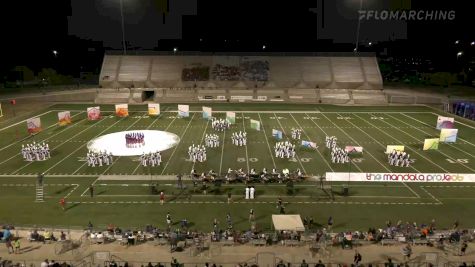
x: 130, y: 202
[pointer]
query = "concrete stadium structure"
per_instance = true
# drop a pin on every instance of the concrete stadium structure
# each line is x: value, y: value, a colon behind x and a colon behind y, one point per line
x: 191, y: 78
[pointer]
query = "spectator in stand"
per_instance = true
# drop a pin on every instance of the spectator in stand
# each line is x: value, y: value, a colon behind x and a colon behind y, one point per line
x: 281, y: 264
x: 62, y: 236
x: 45, y: 263
x: 319, y: 264
x: 357, y: 258
x: 9, y: 245
x: 406, y: 252
x: 389, y: 263
x: 16, y: 245
x: 463, y: 248
x: 304, y: 264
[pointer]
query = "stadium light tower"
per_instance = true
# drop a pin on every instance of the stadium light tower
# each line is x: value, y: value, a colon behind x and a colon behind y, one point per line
x: 55, y: 53
x: 459, y: 54
x: 123, y: 31
x: 358, y: 28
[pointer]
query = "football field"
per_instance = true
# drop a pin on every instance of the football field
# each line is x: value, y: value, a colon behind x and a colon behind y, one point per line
x: 123, y: 194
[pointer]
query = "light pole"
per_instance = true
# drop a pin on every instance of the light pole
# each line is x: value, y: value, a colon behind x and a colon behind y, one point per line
x: 358, y: 28
x: 123, y: 31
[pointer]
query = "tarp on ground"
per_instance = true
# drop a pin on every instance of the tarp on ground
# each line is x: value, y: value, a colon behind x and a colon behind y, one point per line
x: 287, y: 222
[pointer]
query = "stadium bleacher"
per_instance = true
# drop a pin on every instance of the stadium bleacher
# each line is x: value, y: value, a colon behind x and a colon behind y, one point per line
x: 309, y: 79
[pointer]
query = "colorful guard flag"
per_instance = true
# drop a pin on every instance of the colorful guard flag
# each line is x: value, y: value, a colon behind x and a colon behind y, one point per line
x: 354, y: 149
x: 448, y: 135
x: 94, y: 113
x: 183, y: 111
x: 309, y: 144
x: 277, y: 134
x: 231, y: 117
x: 431, y: 143
x: 153, y: 109
x: 207, y: 113
x: 256, y: 125
x: 64, y: 118
x: 444, y: 123
x: 122, y: 110
x: 391, y: 148
x: 34, y: 125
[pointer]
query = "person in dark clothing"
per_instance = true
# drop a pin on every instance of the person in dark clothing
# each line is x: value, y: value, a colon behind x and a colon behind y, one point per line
x: 357, y: 258
x: 91, y: 190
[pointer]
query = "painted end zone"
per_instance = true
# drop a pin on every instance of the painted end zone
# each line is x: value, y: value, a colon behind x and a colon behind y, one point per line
x: 401, y: 177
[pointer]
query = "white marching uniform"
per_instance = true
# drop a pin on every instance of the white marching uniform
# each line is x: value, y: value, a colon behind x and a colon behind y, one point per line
x: 239, y: 139
x: 220, y: 125
x: 35, y: 152
x: 284, y: 150
x: 197, y: 153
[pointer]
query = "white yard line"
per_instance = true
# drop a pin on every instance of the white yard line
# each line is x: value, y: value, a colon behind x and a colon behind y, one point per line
x: 448, y: 143
x: 451, y: 145
x: 113, y: 162
x: 473, y: 170
x: 431, y: 195
x: 222, y: 152
x: 87, y: 188
x: 33, y: 116
x: 30, y: 135
x: 139, y: 164
x: 287, y: 137
x: 384, y: 166
x: 201, y: 141
x: 464, y: 124
x: 267, y: 141
x: 328, y: 164
x: 278, y: 111
x: 74, y: 189
x: 62, y: 143
x: 174, y: 150
x: 338, y: 127
x: 56, y: 164
x: 67, y: 128
x: 244, y: 129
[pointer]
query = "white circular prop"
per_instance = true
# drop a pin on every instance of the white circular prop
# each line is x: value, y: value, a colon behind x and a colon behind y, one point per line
x: 115, y: 143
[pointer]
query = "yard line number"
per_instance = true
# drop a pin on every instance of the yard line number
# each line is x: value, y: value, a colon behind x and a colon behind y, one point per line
x: 464, y: 161
x: 250, y: 159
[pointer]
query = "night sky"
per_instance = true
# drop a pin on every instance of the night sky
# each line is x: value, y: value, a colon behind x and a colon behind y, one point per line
x: 80, y: 30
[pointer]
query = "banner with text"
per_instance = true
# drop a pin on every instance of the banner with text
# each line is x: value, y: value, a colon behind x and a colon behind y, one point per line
x: 94, y: 113
x: 207, y: 113
x: 183, y: 111
x: 64, y: 118
x: 33, y: 125
x: 401, y: 177
x: 231, y: 117
x: 448, y: 135
x: 256, y: 125
x: 444, y: 123
x: 122, y: 110
x: 153, y: 109
x: 431, y: 143
x: 390, y: 148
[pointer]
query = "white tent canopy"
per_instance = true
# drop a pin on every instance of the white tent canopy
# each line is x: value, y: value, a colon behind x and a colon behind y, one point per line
x: 290, y: 222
